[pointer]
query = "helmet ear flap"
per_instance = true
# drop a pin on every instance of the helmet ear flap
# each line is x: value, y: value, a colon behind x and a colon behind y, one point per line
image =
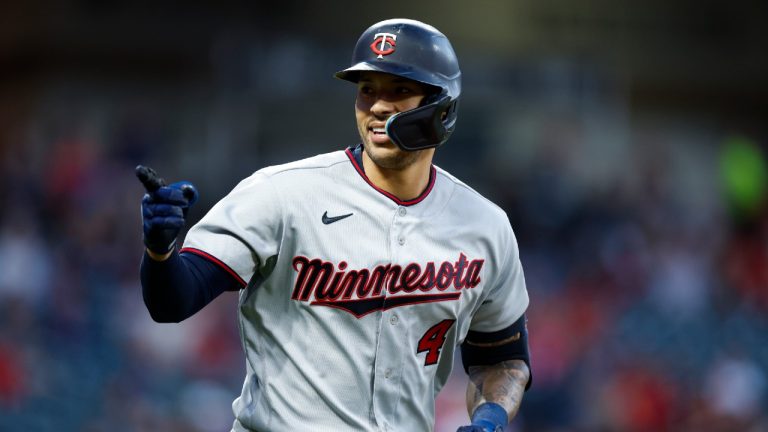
x: 427, y: 126
x: 433, y: 94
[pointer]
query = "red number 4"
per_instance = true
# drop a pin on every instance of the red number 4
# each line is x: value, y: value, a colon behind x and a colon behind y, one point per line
x: 433, y: 341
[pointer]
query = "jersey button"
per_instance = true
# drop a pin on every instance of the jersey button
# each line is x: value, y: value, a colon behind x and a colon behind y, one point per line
x: 388, y: 373
x: 402, y: 211
x: 393, y: 320
x: 401, y: 240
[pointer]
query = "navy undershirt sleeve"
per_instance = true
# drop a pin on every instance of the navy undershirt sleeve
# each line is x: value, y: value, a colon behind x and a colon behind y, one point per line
x: 178, y: 287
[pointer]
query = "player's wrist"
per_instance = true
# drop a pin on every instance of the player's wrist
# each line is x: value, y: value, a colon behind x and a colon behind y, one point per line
x: 160, y: 242
x: 491, y: 416
x: 160, y: 256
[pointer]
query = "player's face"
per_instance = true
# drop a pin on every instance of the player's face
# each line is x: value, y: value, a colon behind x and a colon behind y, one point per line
x: 379, y: 96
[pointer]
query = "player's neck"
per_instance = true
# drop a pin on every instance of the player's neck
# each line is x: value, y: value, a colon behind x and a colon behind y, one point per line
x: 406, y: 183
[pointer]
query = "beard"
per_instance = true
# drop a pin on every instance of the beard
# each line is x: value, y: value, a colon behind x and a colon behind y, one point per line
x: 391, y: 160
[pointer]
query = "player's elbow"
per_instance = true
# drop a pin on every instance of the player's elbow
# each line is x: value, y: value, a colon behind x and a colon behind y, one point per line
x: 163, y: 314
x: 164, y: 317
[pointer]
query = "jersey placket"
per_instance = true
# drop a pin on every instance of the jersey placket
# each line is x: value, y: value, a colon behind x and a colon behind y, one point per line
x: 392, y: 337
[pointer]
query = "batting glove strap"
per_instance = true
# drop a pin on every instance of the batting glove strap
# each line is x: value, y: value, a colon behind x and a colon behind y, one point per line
x: 488, y: 417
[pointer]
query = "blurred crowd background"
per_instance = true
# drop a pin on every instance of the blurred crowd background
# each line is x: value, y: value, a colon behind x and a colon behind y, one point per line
x: 625, y: 140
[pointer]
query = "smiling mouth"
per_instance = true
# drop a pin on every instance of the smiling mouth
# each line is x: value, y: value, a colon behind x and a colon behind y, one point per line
x: 378, y: 135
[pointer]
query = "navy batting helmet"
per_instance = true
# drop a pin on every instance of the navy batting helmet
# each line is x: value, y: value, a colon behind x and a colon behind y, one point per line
x: 416, y: 51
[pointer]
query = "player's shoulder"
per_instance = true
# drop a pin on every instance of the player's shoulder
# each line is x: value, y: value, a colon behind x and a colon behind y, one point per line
x: 470, y: 208
x: 288, y: 175
x: 468, y: 195
x: 313, y: 163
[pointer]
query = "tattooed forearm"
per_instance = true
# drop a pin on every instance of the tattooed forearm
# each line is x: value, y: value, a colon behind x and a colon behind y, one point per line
x: 503, y: 383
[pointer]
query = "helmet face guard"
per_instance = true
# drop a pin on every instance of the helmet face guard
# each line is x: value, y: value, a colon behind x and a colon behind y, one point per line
x: 427, y: 126
x: 419, y: 52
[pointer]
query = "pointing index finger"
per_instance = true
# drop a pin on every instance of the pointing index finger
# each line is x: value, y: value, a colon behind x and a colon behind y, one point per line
x: 149, y: 178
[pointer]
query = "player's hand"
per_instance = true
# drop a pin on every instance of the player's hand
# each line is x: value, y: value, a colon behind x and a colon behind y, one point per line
x: 488, y: 417
x: 163, y: 209
x: 477, y: 428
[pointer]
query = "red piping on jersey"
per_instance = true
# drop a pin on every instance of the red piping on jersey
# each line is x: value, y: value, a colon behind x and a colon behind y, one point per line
x: 216, y: 261
x: 398, y: 201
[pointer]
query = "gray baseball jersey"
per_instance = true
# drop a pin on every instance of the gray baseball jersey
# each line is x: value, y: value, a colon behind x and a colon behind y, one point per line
x: 355, y: 302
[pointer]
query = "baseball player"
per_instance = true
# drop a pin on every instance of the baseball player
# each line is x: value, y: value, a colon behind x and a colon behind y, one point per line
x: 361, y: 271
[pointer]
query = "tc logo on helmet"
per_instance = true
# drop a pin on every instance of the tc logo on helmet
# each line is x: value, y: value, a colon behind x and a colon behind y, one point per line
x: 383, y: 44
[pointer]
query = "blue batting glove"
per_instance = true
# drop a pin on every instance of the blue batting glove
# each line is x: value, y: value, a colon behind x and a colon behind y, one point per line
x: 488, y: 417
x: 164, y: 209
x: 477, y: 428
